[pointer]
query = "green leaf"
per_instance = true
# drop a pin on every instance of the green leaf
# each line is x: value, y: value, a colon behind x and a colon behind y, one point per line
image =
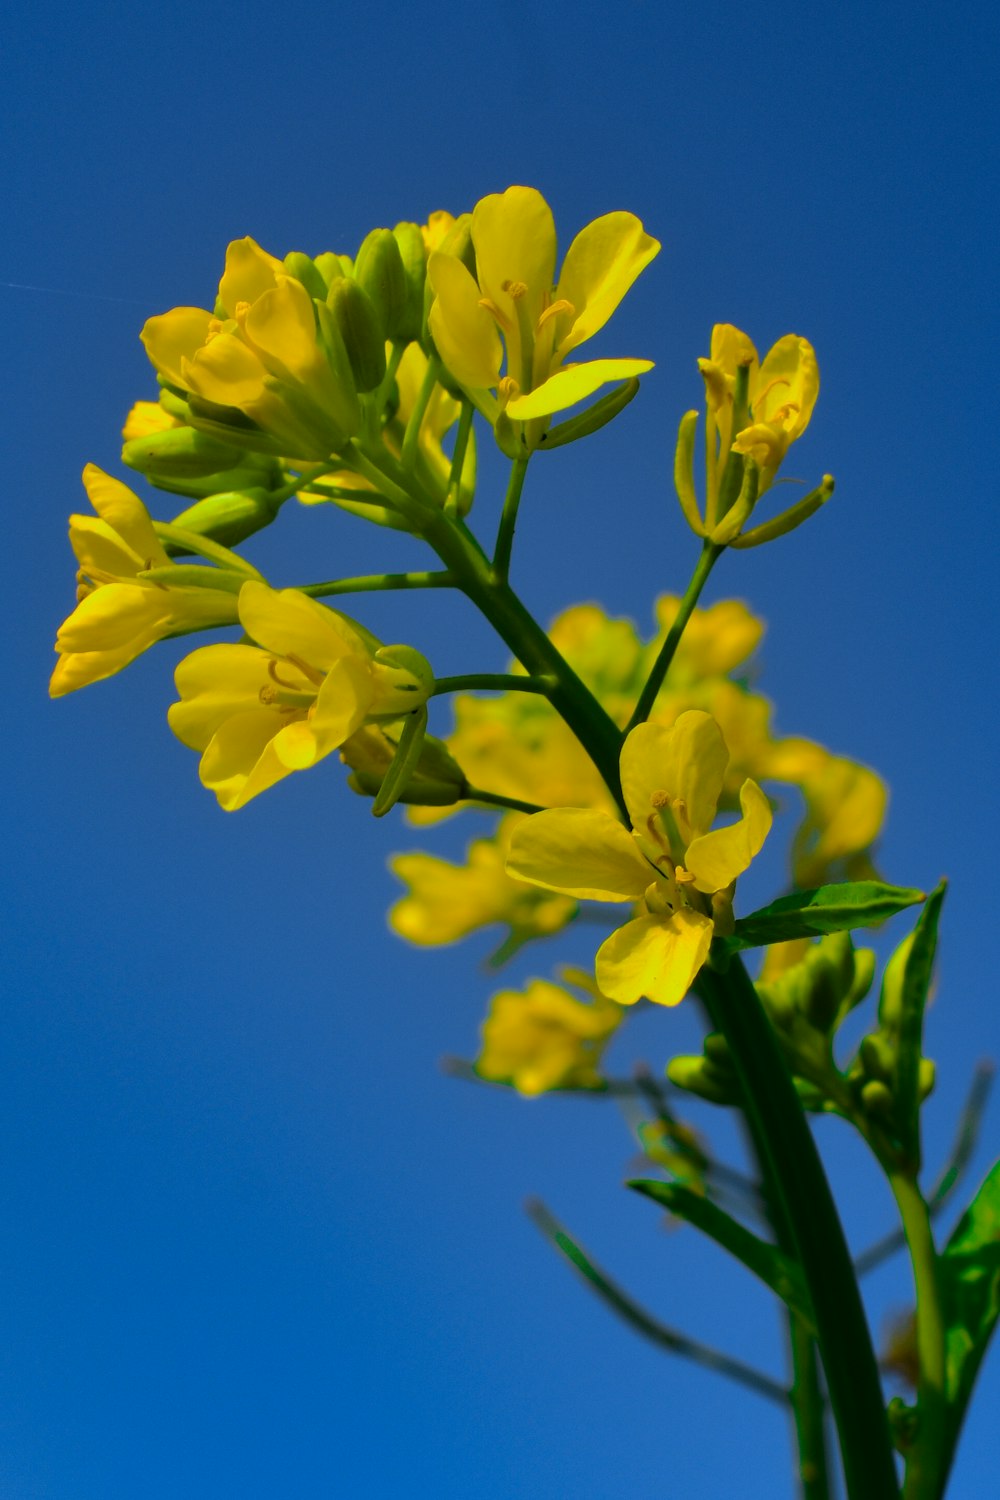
x: 969, y: 1272
x: 776, y: 1270
x: 829, y: 908
x: 915, y: 984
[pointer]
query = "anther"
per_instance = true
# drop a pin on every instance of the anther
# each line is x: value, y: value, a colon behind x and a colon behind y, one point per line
x: 515, y: 289
x: 560, y: 306
x: 661, y: 799
x: 267, y: 694
x: 507, y: 389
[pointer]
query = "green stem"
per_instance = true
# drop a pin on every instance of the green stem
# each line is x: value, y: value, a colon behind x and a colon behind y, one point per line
x: 508, y: 520
x: 381, y: 396
x: 458, y: 458
x: 643, y: 1322
x: 809, y: 1411
x: 927, y: 1461
x: 496, y: 799
x: 411, y: 436
x: 493, y: 682
x: 706, y: 562
x: 777, y: 1118
x: 370, y: 583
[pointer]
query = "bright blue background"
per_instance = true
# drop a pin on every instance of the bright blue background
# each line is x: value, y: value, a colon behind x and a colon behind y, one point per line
x: 254, y: 1244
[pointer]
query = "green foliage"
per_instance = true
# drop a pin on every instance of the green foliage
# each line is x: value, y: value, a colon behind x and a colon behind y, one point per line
x: 969, y: 1274
x: 829, y: 908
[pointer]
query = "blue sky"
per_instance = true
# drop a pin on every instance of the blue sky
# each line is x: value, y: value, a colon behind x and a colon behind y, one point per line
x: 256, y: 1245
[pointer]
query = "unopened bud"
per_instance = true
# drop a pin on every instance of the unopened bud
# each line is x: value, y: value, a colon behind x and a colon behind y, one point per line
x: 876, y: 1098
x: 698, y: 1076
x: 229, y: 518
x: 305, y: 269
x: 413, y: 255
x: 378, y: 270
x: 179, y: 452
x: 332, y: 267
x: 404, y: 681
x: 359, y: 327
x: 878, y: 1056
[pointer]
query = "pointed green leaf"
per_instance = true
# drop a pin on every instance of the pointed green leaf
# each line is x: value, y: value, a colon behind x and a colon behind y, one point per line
x: 969, y: 1273
x: 776, y: 1270
x: 915, y: 983
x: 829, y: 908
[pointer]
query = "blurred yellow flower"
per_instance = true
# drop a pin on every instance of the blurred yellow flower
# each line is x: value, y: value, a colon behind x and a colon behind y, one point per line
x: 511, y: 303
x: 119, y: 615
x: 445, y: 902
x: 672, y: 780
x: 259, y: 712
x: 543, y: 1037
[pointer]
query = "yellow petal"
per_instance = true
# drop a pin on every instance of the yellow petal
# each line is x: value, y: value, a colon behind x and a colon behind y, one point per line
x: 173, y: 337
x: 514, y: 235
x: 688, y: 762
x: 342, y: 702
x: 227, y: 372
x: 125, y: 513
x: 282, y: 325
x: 216, y: 683
x: 249, y: 272
x: 581, y: 853
x: 600, y: 266
x: 655, y: 957
x: 715, y: 859
x: 115, y: 616
x: 575, y: 383
x: 100, y: 550
x: 465, y: 334
x: 289, y: 623
x: 789, y: 385
x: 239, y: 761
x: 731, y: 348
x: 79, y: 669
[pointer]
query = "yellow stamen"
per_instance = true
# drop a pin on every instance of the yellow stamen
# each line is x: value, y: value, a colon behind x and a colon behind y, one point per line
x: 515, y: 289
x: 498, y: 317
x: 312, y: 673
x: 507, y: 389
x: 561, y: 306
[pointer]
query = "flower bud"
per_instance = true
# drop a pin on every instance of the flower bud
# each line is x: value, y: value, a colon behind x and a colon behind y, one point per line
x: 332, y: 267
x: 876, y: 1098
x: 358, y: 324
x: 698, y: 1076
x: 230, y: 517
x: 378, y: 270
x: 305, y: 269
x: 405, y: 682
x: 179, y: 452
x: 413, y: 256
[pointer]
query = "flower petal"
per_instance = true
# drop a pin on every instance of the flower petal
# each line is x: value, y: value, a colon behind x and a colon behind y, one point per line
x: 122, y: 510
x: 465, y: 334
x: 687, y: 761
x: 215, y: 683
x: 575, y: 383
x: 239, y: 761
x: 249, y: 272
x: 789, y: 385
x: 116, y: 616
x: 173, y: 337
x: 282, y: 325
x: 654, y: 957
x: 715, y: 859
x: 514, y: 235
x: 289, y: 623
x: 600, y: 266
x: 342, y: 703
x: 226, y: 371
x: 581, y: 853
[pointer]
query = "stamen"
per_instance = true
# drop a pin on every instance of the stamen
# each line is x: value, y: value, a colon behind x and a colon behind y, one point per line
x: 267, y: 694
x: 561, y: 306
x: 661, y: 799
x: 515, y: 289
x: 761, y: 396
x: 314, y: 675
x: 316, y: 678
x: 507, y: 389
x: 498, y: 317
x: 682, y: 876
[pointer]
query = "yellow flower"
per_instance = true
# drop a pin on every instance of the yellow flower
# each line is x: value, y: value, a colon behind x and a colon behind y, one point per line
x: 513, y: 304
x: 845, y: 808
x: 120, y: 615
x: 446, y: 902
x: 543, y: 1037
x: 672, y: 780
x: 259, y: 712
x: 272, y: 352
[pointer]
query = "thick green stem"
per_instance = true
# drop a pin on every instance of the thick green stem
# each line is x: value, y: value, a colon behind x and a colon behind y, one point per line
x: 508, y: 519
x: 464, y: 559
x: 494, y: 682
x: 809, y: 1411
x: 928, y: 1460
x: 706, y: 562
x: 778, y: 1122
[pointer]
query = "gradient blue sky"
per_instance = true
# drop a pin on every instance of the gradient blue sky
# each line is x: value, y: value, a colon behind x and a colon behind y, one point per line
x: 255, y: 1245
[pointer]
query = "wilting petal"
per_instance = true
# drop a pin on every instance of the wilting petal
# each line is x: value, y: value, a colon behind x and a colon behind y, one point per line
x: 655, y: 957
x: 581, y: 853
x: 465, y: 333
x: 216, y: 682
x: 575, y: 383
x: 715, y: 859
x: 249, y: 272
x: 125, y: 513
x: 289, y: 623
x: 600, y: 266
x: 173, y: 337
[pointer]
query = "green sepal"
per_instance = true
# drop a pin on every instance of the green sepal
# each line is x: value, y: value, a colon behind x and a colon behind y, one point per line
x: 404, y: 762
x: 969, y: 1278
x: 413, y: 255
x: 593, y: 419
x: 178, y: 539
x: 360, y: 329
x: 776, y: 1270
x: 305, y: 269
x: 829, y: 908
x: 194, y: 576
